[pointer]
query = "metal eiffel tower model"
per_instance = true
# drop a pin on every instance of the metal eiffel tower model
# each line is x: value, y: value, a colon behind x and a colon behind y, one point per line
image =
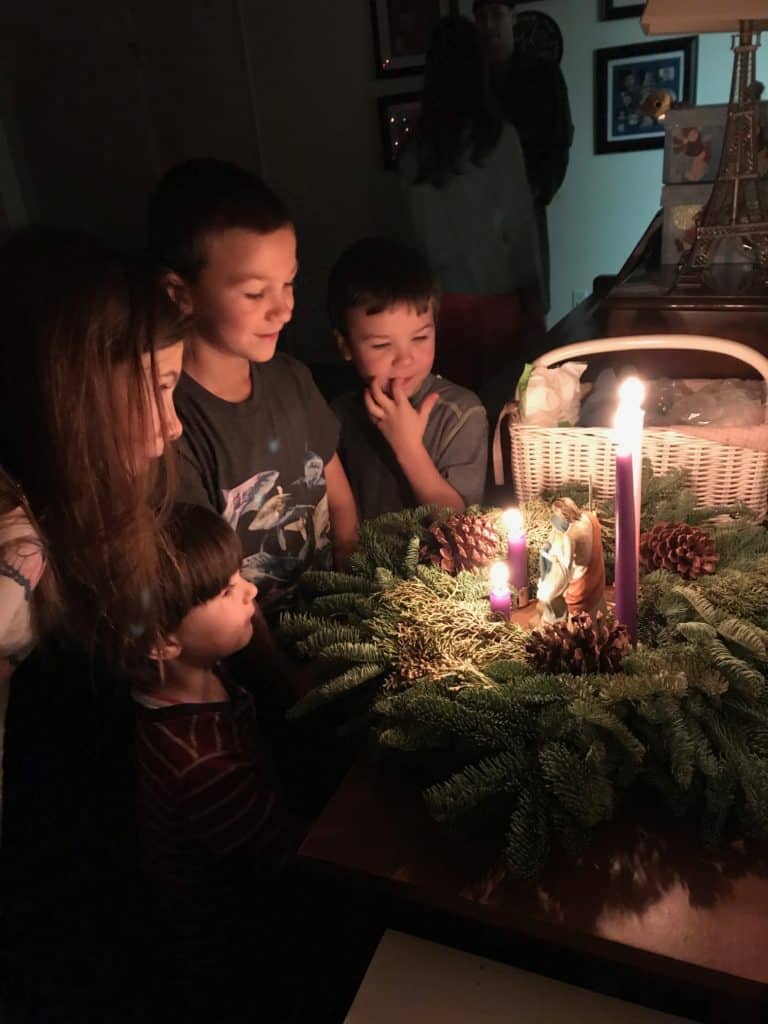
x: 735, y: 209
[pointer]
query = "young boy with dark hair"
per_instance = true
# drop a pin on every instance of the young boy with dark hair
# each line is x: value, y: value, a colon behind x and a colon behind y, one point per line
x: 206, y: 792
x: 259, y: 442
x: 408, y: 437
x: 215, y: 840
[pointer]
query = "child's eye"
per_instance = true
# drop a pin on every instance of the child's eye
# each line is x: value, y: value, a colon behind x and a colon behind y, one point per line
x: 421, y: 337
x: 254, y: 295
x: 289, y: 284
x: 380, y: 345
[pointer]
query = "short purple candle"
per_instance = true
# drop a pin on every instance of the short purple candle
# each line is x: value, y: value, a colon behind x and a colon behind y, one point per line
x: 626, y: 551
x: 500, y: 596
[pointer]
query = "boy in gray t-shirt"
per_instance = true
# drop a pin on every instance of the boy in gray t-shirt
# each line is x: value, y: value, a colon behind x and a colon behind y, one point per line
x: 408, y: 437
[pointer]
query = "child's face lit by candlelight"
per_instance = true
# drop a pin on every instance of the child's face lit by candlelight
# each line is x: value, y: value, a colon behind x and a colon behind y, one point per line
x: 243, y: 296
x: 145, y: 437
x: 220, y: 627
x: 396, y: 344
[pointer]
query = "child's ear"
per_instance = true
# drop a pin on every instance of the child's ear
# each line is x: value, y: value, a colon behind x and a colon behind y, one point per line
x: 178, y: 291
x: 343, y: 344
x: 166, y: 649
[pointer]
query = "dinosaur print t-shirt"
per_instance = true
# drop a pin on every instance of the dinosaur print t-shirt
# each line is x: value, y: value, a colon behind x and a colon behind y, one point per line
x: 261, y: 465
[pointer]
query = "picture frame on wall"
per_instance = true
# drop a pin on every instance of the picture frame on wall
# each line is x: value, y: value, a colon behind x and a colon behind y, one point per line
x: 627, y: 77
x: 609, y: 10
x: 401, y: 32
x: 693, y: 143
x: 398, y: 119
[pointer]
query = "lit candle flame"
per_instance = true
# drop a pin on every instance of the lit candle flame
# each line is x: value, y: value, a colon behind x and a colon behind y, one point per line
x: 628, y: 424
x: 500, y: 577
x: 631, y: 391
x: 513, y: 521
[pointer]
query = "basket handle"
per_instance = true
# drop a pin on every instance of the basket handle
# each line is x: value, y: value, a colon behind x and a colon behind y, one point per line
x: 691, y: 342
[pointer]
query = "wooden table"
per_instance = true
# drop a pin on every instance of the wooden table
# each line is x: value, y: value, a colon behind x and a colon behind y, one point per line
x: 646, y: 900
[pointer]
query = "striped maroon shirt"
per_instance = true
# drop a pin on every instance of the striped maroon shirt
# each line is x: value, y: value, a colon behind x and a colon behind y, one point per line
x: 206, y: 790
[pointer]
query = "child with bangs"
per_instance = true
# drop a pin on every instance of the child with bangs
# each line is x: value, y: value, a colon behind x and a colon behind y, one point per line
x: 239, y: 935
x: 207, y: 796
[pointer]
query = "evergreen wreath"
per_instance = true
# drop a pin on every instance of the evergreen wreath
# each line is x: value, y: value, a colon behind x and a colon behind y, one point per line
x: 542, y: 759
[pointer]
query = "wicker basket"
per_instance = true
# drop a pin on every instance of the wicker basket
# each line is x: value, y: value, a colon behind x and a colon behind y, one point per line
x: 720, y: 473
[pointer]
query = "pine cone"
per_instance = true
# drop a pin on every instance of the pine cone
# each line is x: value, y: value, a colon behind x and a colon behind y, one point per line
x: 579, y: 646
x: 680, y: 548
x: 463, y: 542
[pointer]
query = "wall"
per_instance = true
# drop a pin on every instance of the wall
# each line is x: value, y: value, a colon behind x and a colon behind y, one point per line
x: 329, y: 167
x: 316, y: 97
x: 106, y: 100
x: 107, y: 95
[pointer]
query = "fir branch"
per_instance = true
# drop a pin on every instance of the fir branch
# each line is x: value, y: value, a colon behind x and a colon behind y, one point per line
x: 411, y: 557
x: 572, y: 835
x: 698, y: 633
x: 409, y: 738
x: 355, y: 652
x: 528, y: 837
x: 326, y: 635
x: 468, y: 728
x: 703, y: 608
x: 342, y: 604
x: 738, y: 673
x: 349, y: 680
x: 295, y: 626
x: 740, y: 592
x: 585, y: 794
x: 315, y: 583
x: 748, y: 637
x: 384, y: 578
x: 667, y: 713
x: 585, y: 710
x: 468, y: 797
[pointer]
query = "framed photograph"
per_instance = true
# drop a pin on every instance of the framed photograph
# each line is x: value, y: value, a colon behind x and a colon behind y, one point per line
x: 693, y: 143
x: 626, y: 80
x: 401, y: 33
x: 398, y: 119
x: 612, y: 9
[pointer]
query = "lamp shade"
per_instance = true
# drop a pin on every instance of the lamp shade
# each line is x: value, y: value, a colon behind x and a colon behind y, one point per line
x: 662, y: 17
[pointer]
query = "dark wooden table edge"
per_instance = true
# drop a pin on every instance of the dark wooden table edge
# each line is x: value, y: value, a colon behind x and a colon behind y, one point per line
x: 558, y: 938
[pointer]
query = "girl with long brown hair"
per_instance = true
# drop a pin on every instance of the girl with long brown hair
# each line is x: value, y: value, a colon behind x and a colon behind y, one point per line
x: 90, y: 351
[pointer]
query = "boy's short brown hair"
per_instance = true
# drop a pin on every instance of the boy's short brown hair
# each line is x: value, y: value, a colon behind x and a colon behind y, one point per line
x: 199, y: 197
x: 378, y: 273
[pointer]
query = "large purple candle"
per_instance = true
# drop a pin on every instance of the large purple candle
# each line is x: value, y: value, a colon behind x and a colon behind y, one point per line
x: 626, y: 552
x: 517, y: 554
x: 629, y: 431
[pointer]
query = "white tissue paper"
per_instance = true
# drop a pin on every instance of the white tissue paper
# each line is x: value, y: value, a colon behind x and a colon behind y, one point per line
x: 552, y: 396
